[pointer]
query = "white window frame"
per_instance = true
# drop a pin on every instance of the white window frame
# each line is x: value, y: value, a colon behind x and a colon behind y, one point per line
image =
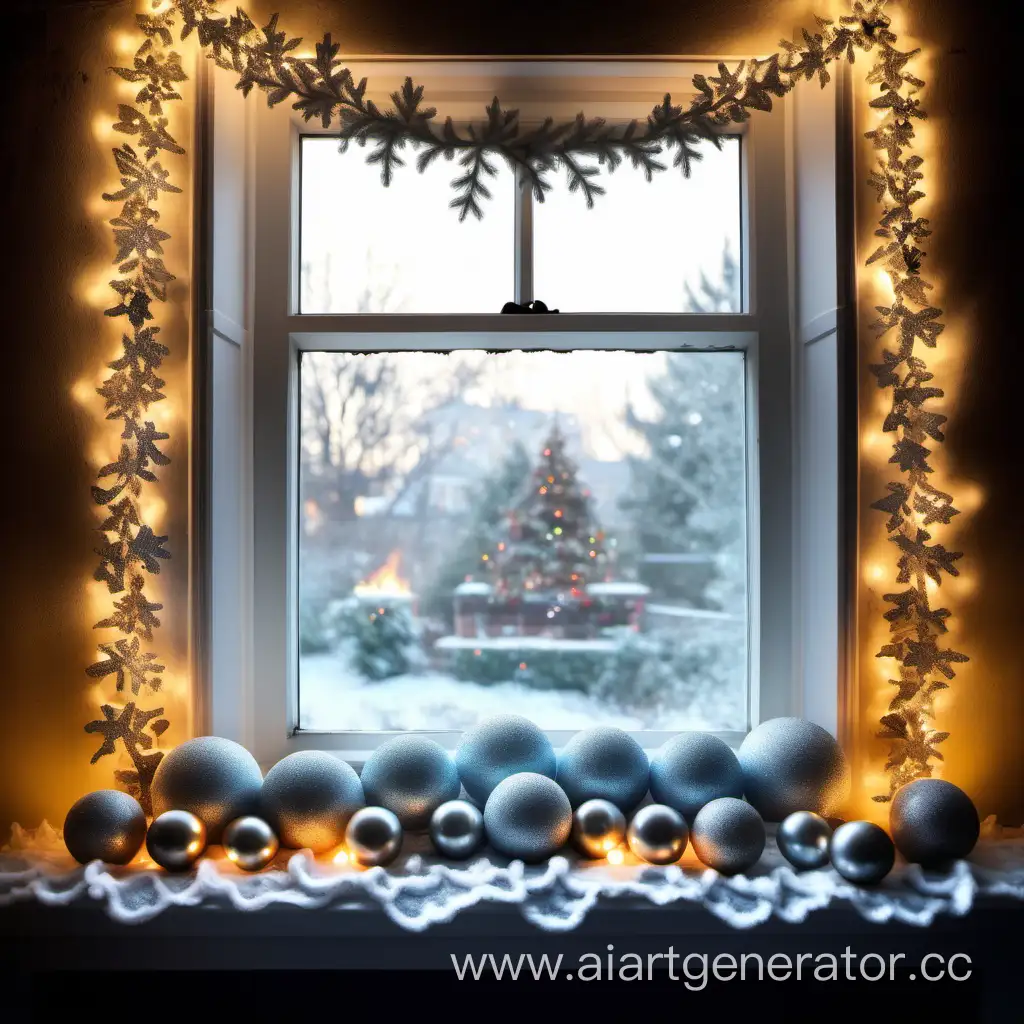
x: 258, y: 703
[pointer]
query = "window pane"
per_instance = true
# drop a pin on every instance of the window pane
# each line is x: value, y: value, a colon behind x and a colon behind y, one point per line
x: 670, y: 245
x: 401, y: 249
x: 560, y: 535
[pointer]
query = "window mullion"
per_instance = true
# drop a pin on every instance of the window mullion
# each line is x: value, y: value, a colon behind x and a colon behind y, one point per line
x: 523, y: 242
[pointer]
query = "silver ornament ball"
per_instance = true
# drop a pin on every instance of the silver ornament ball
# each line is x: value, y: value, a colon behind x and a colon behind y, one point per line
x: 598, y: 827
x: 693, y: 769
x: 728, y: 835
x: 308, y: 798
x: 107, y: 825
x: 933, y: 822
x: 792, y: 765
x: 176, y: 840
x: 411, y: 776
x: 250, y: 843
x: 373, y: 836
x: 861, y: 852
x: 603, y: 763
x: 657, y: 834
x: 499, y: 747
x: 803, y: 840
x: 457, y: 829
x: 215, y: 779
x: 527, y: 816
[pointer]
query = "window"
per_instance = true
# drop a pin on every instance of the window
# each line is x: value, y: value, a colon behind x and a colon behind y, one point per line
x: 586, y: 518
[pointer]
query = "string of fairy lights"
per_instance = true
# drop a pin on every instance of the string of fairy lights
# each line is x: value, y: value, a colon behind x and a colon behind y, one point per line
x: 320, y: 87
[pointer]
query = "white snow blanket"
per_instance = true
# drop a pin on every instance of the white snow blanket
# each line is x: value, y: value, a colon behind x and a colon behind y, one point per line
x: 420, y: 890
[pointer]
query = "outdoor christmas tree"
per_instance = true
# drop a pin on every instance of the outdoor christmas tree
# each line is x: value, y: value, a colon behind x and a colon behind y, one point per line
x: 553, y: 545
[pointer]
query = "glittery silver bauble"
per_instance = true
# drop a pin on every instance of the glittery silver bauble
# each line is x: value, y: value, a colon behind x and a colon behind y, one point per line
x: 527, y: 816
x: 693, y: 769
x: 598, y: 826
x: 728, y: 835
x: 216, y: 779
x: 373, y: 836
x: 176, y: 840
x: 457, y: 829
x: 308, y: 798
x: 107, y: 825
x: 411, y: 776
x: 499, y: 747
x: 792, y: 765
x: 803, y: 840
x: 603, y: 764
x: 933, y: 822
x: 657, y: 834
x: 250, y: 843
x: 861, y: 852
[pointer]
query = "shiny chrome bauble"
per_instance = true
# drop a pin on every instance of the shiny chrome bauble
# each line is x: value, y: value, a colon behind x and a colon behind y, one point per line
x: 457, y: 829
x: 861, y: 852
x: 373, y: 836
x: 176, y: 840
x: 250, y: 843
x: 657, y: 834
x: 803, y: 840
x: 598, y: 827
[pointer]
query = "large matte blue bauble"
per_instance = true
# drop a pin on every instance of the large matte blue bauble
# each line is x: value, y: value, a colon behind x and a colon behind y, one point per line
x: 527, y: 816
x: 728, y: 835
x: 107, y: 825
x: 411, y: 776
x: 308, y: 798
x: 604, y: 764
x: 792, y: 765
x: 499, y: 747
x: 215, y: 779
x: 933, y: 822
x: 693, y: 769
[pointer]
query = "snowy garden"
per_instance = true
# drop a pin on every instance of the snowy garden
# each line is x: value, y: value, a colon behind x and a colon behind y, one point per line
x: 479, y: 534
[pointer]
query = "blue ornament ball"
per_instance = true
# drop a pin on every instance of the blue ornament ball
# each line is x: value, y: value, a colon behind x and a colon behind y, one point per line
x: 499, y: 747
x: 692, y: 769
x: 728, y: 835
x: 933, y: 822
x: 527, y: 816
x: 308, y: 798
x: 790, y: 765
x: 215, y: 779
x: 411, y: 776
x: 604, y: 763
x: 107, y: 825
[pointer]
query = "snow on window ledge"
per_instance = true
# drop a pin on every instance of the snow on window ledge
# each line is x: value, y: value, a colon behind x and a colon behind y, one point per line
x: 420, y: 890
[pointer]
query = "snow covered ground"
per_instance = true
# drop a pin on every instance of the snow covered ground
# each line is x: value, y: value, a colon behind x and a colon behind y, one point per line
x: 332, y: 697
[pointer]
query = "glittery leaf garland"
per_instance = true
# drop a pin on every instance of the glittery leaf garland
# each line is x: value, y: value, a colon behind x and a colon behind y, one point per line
x: 321, y: 88
x: 130, y: 551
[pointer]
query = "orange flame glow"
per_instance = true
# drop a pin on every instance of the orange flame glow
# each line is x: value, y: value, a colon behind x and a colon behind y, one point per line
x: 385, y: 580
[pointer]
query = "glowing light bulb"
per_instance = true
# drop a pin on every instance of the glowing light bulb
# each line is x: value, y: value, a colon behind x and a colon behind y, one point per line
x: 615, y: 857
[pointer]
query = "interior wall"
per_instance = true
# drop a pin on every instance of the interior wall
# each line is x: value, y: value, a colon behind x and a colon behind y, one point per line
x: 60, y: 100
x: 55, y: 86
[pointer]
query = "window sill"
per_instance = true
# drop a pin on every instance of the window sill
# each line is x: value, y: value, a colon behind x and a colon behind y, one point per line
x: 44, y: 897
